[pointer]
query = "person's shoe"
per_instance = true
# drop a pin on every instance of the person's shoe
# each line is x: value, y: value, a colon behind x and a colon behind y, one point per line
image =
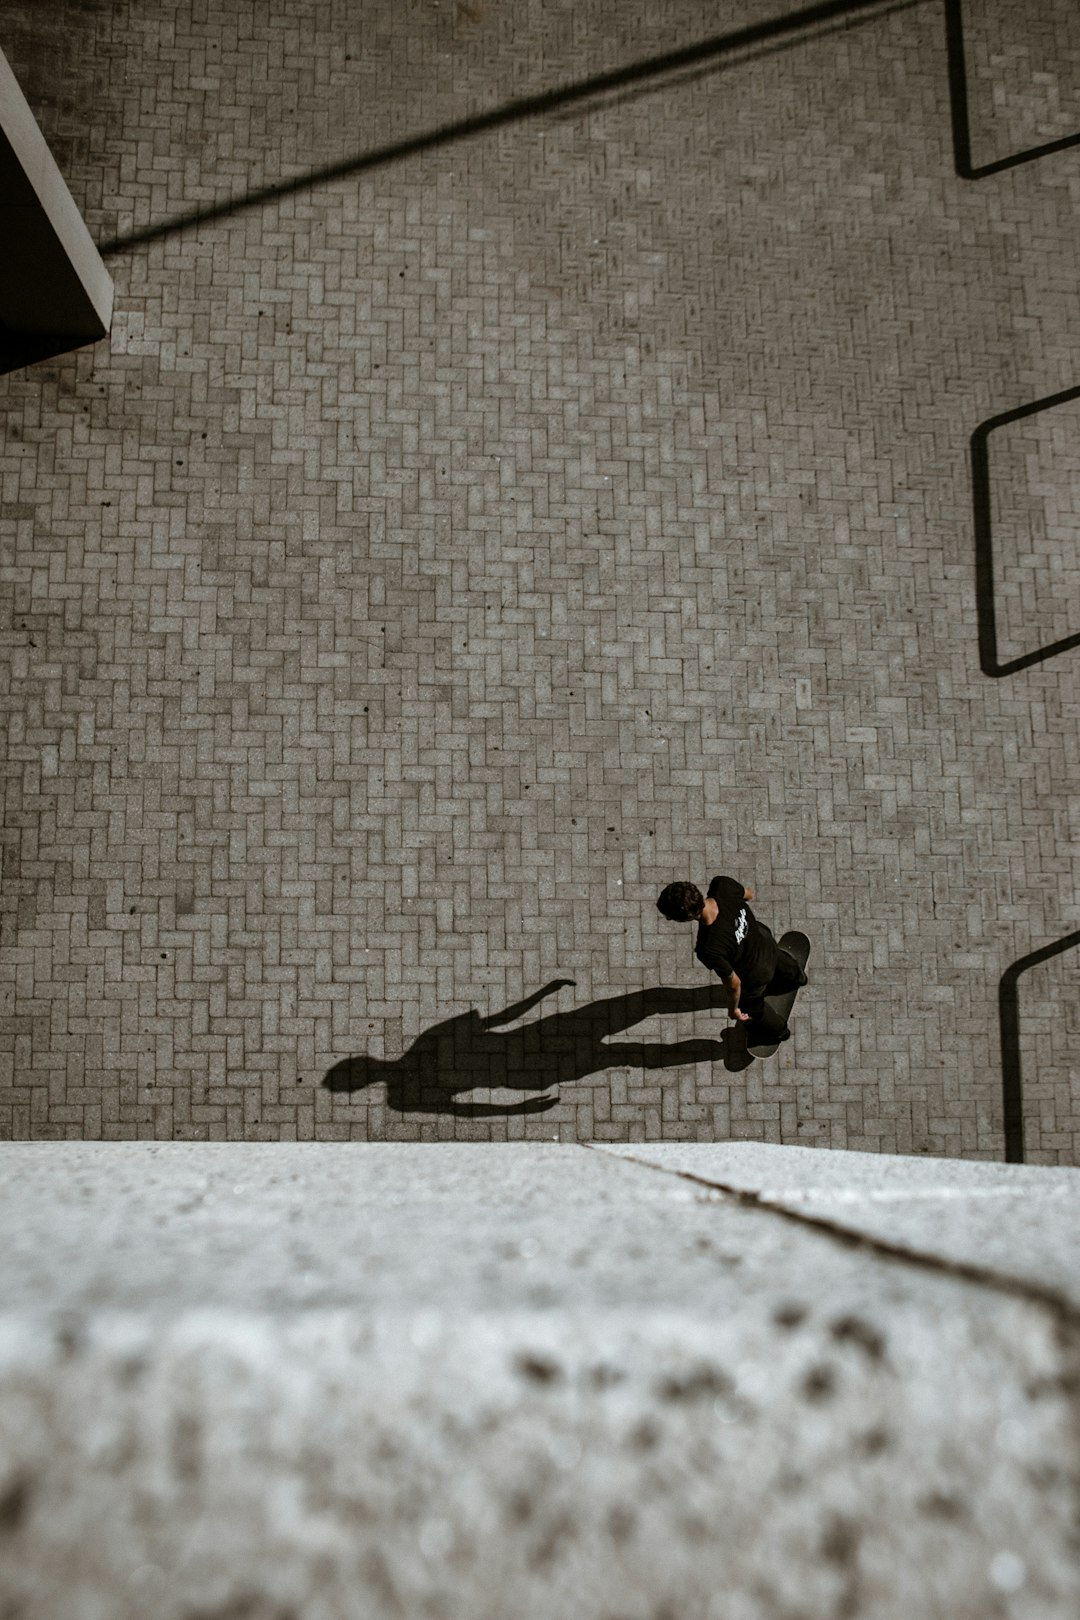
x: 786, y: 1036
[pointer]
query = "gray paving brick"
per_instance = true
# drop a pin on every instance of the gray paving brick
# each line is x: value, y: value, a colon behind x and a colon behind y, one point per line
x: 441, y: 559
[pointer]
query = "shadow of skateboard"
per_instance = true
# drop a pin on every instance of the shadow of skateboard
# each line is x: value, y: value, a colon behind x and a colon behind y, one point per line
x: 778, y: 1008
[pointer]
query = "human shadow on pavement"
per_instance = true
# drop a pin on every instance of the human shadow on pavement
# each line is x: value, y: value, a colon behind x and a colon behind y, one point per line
x: 470, y: 1051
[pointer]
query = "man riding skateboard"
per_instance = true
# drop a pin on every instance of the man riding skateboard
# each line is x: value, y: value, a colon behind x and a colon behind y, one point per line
x: 734, y: 944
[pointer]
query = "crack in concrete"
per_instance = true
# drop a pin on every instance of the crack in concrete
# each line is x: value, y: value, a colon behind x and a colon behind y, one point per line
x: 1066, y: 1315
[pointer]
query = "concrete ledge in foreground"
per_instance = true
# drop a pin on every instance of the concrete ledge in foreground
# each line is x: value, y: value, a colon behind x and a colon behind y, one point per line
x: 276, y: 1382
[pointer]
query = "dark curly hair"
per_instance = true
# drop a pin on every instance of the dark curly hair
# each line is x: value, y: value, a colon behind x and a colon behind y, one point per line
x: 681, y: 902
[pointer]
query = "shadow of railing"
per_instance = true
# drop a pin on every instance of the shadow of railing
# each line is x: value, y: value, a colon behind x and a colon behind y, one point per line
x: 993, y: 666
x: 1009, y: 1017
x: 989, y: 661
x: 958, y: 103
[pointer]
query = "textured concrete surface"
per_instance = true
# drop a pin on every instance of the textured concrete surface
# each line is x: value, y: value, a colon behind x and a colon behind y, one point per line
x: 478, y: 1380
x: 440, y: 559
x: 993, y: 1217
x: 176, y: 1227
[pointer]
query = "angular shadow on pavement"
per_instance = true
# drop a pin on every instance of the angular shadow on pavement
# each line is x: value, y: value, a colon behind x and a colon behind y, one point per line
x: 18, y: 350
x: 982, y: 502
x: 961, y: 121
x: 1009, y: 1020
x: 543, y: 103
x: 469, y: 1051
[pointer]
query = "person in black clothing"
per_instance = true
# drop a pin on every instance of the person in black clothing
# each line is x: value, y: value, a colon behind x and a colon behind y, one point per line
x: 734, y: 944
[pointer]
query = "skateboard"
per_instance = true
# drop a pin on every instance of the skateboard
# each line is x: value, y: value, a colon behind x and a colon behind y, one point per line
x: 779, y: 1007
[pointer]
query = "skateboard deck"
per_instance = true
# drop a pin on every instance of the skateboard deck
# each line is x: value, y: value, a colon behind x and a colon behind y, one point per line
x: 778, y: 1008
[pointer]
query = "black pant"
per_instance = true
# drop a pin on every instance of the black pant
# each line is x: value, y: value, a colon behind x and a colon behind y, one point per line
x: 764, y: 1024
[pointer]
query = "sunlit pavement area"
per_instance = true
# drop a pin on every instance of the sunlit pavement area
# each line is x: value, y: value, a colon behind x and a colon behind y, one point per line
x: 447, y: 552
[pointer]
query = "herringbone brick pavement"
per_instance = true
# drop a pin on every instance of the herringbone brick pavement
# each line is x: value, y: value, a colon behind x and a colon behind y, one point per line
x: 440, y: 559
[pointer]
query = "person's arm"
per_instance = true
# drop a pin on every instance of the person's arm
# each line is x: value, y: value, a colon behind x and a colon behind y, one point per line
x: 520, y: 1008
x: 529, y: 1105
x: 733, y: 987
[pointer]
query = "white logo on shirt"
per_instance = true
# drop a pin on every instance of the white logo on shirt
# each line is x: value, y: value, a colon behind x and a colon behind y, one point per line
x: 741, y: 927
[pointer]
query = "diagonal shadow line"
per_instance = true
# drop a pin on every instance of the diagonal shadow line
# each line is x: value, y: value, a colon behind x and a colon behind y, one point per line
x: 693, y: 75
x: 510, y: 112
x: 958, y: 103
x: 702, y: 54
x: 984, y: 542
x: 1009, y: 1019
